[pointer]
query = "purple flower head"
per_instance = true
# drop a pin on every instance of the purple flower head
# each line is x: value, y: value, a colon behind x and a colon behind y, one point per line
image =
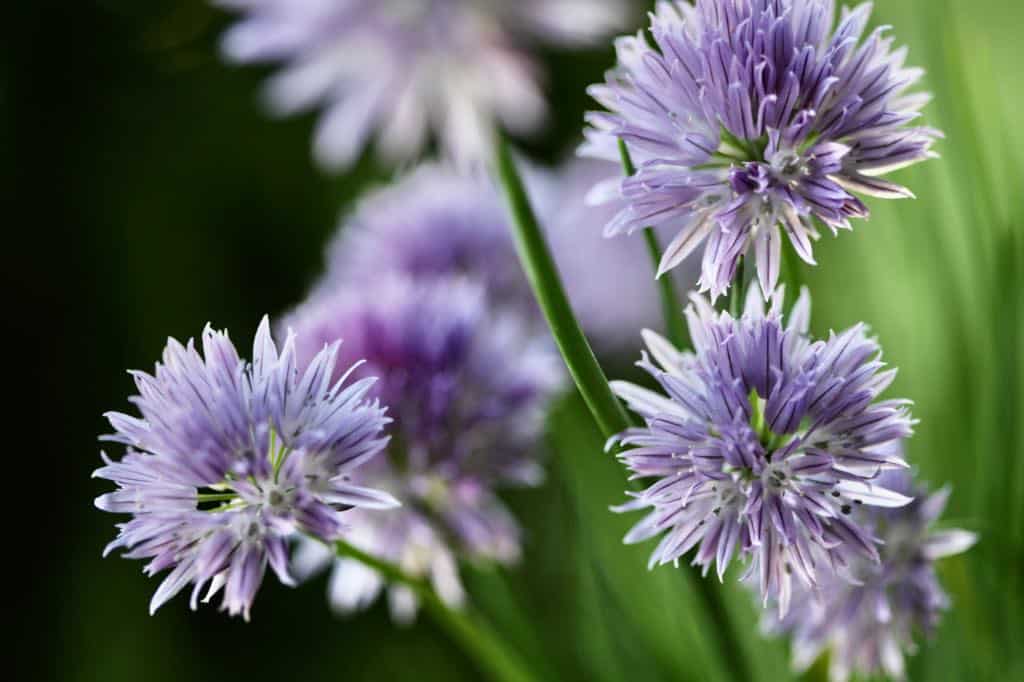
x: 765, y: 443
x: 404, y: 71
x: 432, y: 223
x: 867, y: 625
x: 230, y: 458
x: 751, y: 115
x: 467, y: 387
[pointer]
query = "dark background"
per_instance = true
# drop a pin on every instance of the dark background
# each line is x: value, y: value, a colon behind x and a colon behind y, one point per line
x: 147, y: 193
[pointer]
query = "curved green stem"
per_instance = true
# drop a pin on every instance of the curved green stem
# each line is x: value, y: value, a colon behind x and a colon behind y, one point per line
x: 590, y: 378
x: 467, y: 628
x: 540, y: 269
x: 671, y: 308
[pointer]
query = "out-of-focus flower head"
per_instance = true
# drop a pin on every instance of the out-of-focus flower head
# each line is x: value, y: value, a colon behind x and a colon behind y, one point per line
x: 432, y: 223
x: 230, y: 458
x: 405, y: 70
x: 437, y: 222
x: 868, y: 625
x: 766, y: 442
x: 609, y: 282
x: 467, y: 385
x: 750, y: 115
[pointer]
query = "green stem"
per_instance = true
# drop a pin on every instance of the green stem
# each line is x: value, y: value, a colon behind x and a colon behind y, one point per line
x: 464, y: 626
x: 738, y: 289
x: 671, y: 309
x: 590, y: 379
x: 730, y: 649
x: 540, y: 269
x: 709, y: 592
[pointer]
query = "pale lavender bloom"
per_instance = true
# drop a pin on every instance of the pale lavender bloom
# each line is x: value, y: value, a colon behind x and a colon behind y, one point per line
x: 749, y: 115
x: 609, y: 282
x: 765, y: 444
x: 432, y: 223
x: 868, y: 625
x: 231, y: 458
x: 467, y: 386
x: 405, y: 70
x: 437, y: 222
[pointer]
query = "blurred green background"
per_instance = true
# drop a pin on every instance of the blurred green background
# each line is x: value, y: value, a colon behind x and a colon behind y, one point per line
x: 149, y: 194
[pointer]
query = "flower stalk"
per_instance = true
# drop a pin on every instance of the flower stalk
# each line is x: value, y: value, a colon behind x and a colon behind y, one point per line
x: 464, y: 626
x: 590, y: 379
x: 540, y: 268
x: 671, y: 308
x: 709, y: 593
x: 738, y: 292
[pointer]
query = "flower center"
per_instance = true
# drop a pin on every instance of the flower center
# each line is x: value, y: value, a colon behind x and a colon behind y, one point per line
x: 276, y: 497
x: 774, y: 477
x: 787, y: 166
x: 769, y: 440
x: 236, y: 492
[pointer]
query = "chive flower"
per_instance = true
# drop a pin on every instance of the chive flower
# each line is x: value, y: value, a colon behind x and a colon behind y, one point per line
x: 868, y: 625
x: 230, y: 458
x: 467, y: 384
x: 763, y: 444
x: 754, y: 119
x: 410, y: 72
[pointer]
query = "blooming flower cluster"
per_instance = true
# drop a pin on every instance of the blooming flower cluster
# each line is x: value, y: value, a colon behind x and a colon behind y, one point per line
x: 230, y: 458
x: 403, y: 70
x: 868, y: 624
x: 766, y: 443
x: 748, y: 119
x: 750, y: 115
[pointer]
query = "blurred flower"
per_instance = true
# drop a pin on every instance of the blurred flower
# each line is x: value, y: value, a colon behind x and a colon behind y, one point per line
x: 751, y: 114
x: 230, y: 458
x: 467, y: 386
x: 404, y: 70
x: 868, y: 625
x: 436, y: 222
x: 609, y: 282
x: 432, y: 223
x: 767, y: 441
